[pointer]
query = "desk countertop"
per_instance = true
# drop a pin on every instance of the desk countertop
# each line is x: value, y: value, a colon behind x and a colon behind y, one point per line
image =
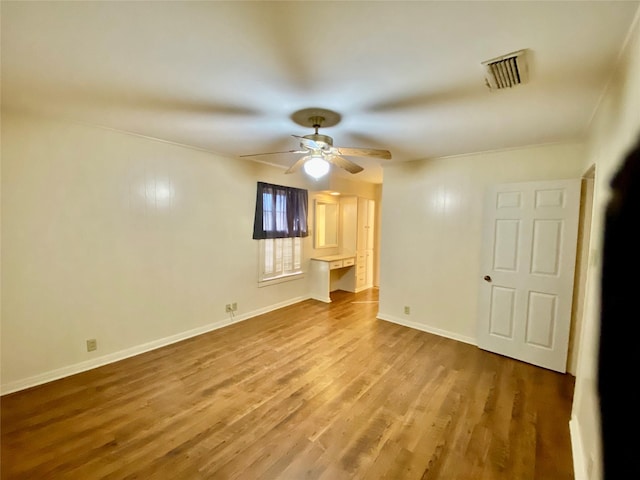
x: 333, y: 258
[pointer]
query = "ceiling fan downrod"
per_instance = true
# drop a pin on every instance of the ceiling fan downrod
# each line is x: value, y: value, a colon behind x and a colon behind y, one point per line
x: 316, y: 122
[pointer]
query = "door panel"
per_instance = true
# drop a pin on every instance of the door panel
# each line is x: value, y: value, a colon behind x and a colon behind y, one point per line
x: 546, y: 247
x: 505, y: 251
x: 502, y: 311
x: 530, y: 235
x: 541, y: 318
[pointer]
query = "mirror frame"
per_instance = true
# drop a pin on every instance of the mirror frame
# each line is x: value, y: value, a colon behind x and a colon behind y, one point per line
x: 316, y: 234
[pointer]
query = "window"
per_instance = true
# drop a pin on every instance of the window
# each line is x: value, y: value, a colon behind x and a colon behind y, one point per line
x: 280, y: 257
x: 280, y: 222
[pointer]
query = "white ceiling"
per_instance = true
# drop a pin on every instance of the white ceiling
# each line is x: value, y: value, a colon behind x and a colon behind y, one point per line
x: 226, y: 76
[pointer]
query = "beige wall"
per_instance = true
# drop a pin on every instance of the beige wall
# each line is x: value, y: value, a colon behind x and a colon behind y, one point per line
x: 431, y: 231
x: 614, y: 130
x: 124, y: 239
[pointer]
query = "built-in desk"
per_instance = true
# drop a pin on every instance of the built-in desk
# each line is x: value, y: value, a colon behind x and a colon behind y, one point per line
x: 332, y: 272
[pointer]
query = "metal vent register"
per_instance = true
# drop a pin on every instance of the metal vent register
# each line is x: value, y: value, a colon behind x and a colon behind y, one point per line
x: 506, y: 71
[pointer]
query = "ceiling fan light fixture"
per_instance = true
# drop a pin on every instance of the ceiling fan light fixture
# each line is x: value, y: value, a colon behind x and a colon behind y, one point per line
x: 318, y: 150
x: 316, y: 167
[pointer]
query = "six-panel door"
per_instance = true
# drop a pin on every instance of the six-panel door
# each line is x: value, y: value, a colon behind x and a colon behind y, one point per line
x: 528, y: 261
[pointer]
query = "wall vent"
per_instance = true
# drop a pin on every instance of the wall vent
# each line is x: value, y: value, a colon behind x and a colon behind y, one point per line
x: 506, y: 71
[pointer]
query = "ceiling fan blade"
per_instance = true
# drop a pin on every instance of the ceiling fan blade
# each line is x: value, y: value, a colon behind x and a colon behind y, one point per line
x: 273, y: 153
x: 296, y: 166
x: 364, y: 152
x: 341, y: 162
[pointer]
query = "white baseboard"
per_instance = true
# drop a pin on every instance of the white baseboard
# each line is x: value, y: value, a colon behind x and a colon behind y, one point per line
x: 321, y: 298
x: 69, y: 370
x: 426, y: 328
x: 362, y: 289
x: 580, y: 466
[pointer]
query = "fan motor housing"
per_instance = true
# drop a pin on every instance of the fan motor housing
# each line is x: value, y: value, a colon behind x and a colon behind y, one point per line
x: 316, y: 137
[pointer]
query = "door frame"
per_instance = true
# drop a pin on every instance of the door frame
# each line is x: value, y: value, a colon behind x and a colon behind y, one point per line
x: 583, y: 256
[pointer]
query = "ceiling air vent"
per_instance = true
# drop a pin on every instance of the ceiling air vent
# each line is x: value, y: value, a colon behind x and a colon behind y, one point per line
x: 506, y: 71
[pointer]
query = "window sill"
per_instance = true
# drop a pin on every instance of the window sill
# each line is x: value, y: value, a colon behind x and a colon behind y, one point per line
x: 282, y: 279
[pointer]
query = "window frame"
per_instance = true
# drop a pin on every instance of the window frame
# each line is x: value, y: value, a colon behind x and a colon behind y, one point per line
x: 280, y: 226
x: 280, y: 273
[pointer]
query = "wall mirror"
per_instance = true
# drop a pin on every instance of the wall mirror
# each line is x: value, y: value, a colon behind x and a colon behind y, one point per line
x: 326, y: 224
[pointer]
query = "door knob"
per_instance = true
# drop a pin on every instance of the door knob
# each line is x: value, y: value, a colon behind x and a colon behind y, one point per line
x: 487, y: 278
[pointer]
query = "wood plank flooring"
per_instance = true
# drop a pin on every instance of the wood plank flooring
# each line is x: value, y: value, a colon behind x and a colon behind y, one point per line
x: 311, y: 391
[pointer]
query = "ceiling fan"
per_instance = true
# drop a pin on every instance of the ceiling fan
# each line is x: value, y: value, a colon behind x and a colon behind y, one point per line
x: 318, y: 150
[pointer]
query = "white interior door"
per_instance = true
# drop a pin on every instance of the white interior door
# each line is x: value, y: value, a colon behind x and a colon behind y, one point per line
x: 528, y: 262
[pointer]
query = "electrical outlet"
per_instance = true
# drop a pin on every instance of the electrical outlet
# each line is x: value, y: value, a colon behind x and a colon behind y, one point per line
x: 92, y: 344
x: 227, y: 308
x: 407, y: 310
x: 234, y: 306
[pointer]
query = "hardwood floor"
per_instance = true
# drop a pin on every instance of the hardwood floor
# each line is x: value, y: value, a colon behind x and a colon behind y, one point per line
x: 308, y: 391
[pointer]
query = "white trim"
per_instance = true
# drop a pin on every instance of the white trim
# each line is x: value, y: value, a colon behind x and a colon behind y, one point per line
x: 281, y: 279
x: 320, y: 298
x: 580, y: 468
x: 426, y: 328
x: 363, y: 288
x: 69, y: 370
x: 576, y: 140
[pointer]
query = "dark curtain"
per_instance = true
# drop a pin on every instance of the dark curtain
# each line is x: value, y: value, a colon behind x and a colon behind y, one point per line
x: 281, y: 212
x: 618, y: 356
